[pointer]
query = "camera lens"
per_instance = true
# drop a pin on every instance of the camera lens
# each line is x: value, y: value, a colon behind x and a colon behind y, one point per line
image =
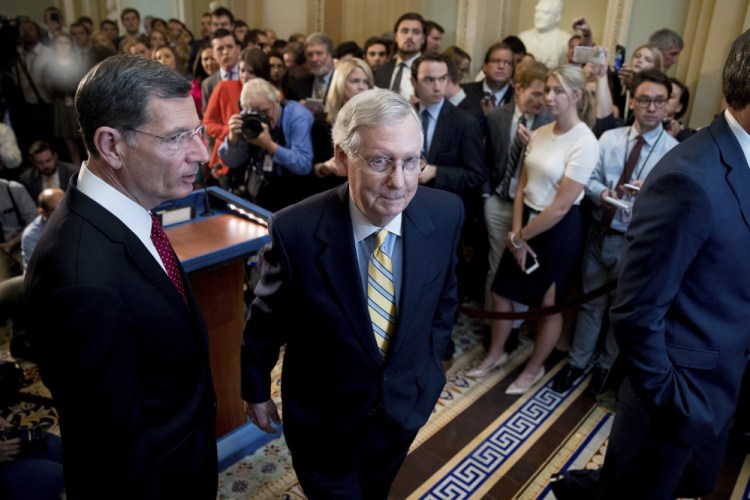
x: 252, y: 124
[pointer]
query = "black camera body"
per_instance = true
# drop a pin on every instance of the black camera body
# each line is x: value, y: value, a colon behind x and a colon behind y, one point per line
x: 32, y: 437
x: 252, y: 123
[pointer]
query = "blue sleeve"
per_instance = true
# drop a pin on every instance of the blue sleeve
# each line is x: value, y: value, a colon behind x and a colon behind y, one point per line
x: 234, y: 156
x: 297, y: 155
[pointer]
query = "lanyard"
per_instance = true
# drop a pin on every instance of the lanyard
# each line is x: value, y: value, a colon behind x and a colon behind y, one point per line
x: 651, y: 150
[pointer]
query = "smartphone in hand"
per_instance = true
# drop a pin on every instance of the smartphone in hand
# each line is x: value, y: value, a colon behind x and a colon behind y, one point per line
x: 531, y: 264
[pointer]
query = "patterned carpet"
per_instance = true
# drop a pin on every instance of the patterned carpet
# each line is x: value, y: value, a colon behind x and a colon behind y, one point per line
x: 268, y: 473
x: 35, y: 405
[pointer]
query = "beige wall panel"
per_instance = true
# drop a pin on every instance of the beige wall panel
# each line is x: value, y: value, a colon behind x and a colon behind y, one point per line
x: 34, y: 9
x: 728, y: 18
x: 648, y: 16
x: 287, y: 17
x: 616, y: 23
x: 362, y: 19
x: 194, y: 9
x: 480, y: 23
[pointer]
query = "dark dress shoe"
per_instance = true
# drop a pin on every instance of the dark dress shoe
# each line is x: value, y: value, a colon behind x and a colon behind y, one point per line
x: 564, y: 380
x: 575, y: 484
x: 597, y: 381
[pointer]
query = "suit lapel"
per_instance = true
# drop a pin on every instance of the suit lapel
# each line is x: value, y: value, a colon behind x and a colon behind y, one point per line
x: 338, y: 253
x: 738, y: 173
x: 418, y: 254
x: 505, y: 123
x: 508, y: 96
x: 115, y: 230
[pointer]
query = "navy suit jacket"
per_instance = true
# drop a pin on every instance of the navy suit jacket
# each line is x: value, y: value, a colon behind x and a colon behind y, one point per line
x: 682, y: 311
x: 475, y: 93
x: 456, y: 149
x: 310, y: 297
x: 384, y: 74
x: 474, y: 108
x: 125, y: 358
x: 497, y: 145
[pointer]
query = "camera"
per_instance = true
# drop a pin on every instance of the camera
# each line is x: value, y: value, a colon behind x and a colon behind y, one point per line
x: 32, y: 437
x: 54, y: 16
x: 252, y: 123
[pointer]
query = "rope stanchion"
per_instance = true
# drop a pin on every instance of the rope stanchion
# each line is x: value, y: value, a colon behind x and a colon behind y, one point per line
x: 473, y: 312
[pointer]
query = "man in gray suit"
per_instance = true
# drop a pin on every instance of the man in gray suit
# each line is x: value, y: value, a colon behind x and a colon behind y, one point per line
x: 227, y: 53
x: 503, y: 130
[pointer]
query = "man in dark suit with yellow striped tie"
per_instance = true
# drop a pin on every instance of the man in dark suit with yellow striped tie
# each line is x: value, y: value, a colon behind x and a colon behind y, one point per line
x: 360, y: 284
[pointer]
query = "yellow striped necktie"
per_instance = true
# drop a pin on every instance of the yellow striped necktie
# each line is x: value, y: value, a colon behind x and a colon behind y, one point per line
x: 381, y: 297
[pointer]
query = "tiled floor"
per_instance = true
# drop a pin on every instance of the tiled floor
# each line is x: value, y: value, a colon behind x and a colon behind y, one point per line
x: 524, y: 472
x: 421, y: 464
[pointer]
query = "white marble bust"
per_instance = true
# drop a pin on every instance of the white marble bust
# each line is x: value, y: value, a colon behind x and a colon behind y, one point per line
x: 547, y: 42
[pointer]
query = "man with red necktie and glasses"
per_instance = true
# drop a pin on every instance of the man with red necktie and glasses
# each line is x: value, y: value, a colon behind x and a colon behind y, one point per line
x: 121, y: 342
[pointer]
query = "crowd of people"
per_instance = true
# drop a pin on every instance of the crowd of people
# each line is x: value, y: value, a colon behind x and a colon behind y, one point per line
x: 544, y: 155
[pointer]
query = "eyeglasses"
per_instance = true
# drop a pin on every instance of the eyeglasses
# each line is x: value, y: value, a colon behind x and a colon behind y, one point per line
x: 645, y: 102
x: 381, y: 165
x: 179, y: 139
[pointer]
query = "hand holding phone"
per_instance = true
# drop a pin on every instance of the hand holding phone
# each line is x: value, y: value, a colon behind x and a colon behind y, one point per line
x: 585, y: 55
x: 531, y: 264
x: 619, y: 57
x: 618, y: 203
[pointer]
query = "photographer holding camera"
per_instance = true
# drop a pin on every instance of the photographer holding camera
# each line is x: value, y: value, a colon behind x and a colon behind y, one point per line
x: 30, y: 462
x: 272, y: 137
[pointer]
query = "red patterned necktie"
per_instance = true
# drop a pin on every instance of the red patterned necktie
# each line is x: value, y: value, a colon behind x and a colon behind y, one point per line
x: 168, y: 257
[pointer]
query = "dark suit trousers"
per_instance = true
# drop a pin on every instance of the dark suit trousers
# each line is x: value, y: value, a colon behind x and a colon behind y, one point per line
x: 641, y: 464
x: 368, y: 474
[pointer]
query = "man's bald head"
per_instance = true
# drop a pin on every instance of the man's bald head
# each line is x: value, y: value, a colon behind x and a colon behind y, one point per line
x: 48, y: 200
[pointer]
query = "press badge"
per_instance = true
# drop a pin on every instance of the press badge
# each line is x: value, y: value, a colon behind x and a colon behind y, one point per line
x: 267, y: 164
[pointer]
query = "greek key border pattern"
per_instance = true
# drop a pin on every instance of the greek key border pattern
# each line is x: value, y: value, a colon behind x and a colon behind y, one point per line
x: 489, y: 455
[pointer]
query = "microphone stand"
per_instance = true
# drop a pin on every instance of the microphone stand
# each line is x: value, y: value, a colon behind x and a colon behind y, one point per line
x: 206, y: 202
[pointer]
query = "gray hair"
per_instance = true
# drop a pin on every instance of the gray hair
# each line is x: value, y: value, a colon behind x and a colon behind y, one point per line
x: 255, y: 88
x: 372, y: 108
x: 115, y: 93
x: 664, y: 39
x: 319, y: 39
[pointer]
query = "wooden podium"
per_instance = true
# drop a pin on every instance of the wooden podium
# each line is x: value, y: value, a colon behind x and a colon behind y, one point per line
x: 213, y: 249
